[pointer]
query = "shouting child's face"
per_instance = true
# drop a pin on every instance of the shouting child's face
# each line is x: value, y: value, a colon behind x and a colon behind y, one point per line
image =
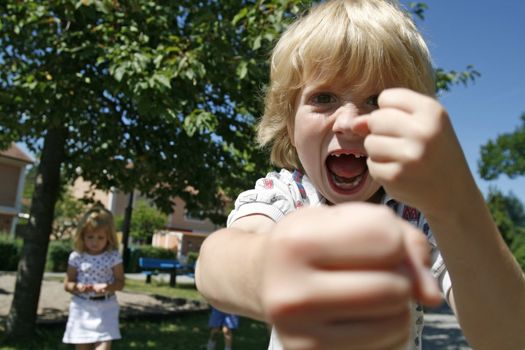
x: 332, y: 155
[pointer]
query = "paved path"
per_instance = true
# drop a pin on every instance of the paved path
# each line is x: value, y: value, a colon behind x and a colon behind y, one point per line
x: 441, y: 329
x: 54, y: 300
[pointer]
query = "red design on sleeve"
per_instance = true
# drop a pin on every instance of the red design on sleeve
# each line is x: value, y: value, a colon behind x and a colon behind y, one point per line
x: 410, y: 214
x: 268, y: 184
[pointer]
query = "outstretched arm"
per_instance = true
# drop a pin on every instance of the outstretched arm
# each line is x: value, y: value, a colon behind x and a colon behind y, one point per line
x: 336, y: 277
x: 228, y: 271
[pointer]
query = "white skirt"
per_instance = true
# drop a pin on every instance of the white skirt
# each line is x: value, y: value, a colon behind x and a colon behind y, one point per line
x: 92, y: 321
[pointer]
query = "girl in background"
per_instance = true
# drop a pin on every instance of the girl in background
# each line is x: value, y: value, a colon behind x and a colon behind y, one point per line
x: 94, y: 273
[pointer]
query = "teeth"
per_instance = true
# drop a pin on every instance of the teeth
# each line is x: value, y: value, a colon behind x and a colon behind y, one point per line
x: 347, y: 154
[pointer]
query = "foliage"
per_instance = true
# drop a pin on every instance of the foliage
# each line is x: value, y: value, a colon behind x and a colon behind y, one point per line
x: 151, y: 84
x: 58, y: 254
x: 418, y: 9
x: 144, y: 222
x: 192, y: 258
x: 509, y: 216
x: 154, y: 96
x: 518, y: 250
x: 68, y: 211
x: 146, y: 251
x: 445, y: 79
x: 29, y: 188
x: 145, y: 83
x: 504, y: 155
x: 10, y: 250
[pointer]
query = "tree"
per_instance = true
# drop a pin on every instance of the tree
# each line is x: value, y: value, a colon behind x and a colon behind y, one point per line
x: 68, y: 211
x: 145, y: 221
x: 171, y: 87
x: 509, y: 215
x: 504, y: 155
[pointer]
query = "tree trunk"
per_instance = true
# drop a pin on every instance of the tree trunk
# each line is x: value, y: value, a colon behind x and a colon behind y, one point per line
x: 21, y: 320
x: 126, y: 227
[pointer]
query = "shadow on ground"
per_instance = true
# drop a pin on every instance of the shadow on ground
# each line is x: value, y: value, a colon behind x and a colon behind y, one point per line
x: 441, y: 330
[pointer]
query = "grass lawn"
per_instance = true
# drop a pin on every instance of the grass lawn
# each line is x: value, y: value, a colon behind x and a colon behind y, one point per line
x: 186, y: 331
x: 163, y: 288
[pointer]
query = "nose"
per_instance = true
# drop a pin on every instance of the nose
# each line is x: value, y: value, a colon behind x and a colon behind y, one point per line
x: 343, y: 117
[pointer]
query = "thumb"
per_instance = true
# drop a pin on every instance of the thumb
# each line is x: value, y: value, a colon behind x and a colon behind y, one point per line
x: 359, y: 125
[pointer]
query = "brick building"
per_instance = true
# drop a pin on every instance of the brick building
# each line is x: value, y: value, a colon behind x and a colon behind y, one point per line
x: 182, y: 233
x: 13, y: 163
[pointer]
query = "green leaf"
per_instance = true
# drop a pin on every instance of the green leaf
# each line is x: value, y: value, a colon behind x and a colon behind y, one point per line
x: 163, y: 80
x: 257, y: 42
x: 242, y: 69
x: 240, y: 15
x: 119, y: 73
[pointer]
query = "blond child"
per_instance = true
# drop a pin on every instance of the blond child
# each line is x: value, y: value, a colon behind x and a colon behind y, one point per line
x: 351, y: 117
x: 94, y: 274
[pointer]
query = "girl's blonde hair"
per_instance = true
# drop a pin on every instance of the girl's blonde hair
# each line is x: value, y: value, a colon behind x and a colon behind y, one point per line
x: 372, y: 43
x: 94, y: 219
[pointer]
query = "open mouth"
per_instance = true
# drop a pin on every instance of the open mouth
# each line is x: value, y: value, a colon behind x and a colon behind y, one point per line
x: 347, y: 170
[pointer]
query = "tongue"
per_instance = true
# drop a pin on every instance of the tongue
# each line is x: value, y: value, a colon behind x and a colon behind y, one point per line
x: 346, y: 166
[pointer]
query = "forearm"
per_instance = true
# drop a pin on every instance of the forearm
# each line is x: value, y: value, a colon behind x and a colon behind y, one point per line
x: 117, y: 285
x: 70, y: 287
x: 228, y: 272
x: 488, y: 284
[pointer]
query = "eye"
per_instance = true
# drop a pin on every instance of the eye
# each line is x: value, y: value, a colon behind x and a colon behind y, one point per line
x: 323, y: 98
x: 372, y: 101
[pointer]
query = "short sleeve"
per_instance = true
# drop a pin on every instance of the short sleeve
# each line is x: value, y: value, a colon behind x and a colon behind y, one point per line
x: 438, y: 267
x: 273, y: 196
x: 416, y: 218
x: 114, y: 258
x: 74, y: 260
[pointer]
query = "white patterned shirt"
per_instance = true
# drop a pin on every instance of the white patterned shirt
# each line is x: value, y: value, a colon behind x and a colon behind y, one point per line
x: 93, y: 269
x: 279, y: 194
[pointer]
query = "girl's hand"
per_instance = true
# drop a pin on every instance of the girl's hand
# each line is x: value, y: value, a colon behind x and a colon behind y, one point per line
x: 100, y: 287
x: 413, y: 151
x: 80, y: 287
x: 342, y: 277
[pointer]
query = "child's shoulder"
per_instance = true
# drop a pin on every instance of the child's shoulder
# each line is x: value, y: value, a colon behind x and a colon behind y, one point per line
x: 75, y: 254
x: 113, y: 255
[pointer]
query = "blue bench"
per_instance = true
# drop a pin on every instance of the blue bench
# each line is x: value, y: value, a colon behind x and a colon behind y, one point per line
x: 152, y: 266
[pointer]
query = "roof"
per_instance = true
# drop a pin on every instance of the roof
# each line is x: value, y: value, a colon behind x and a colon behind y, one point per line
x: 14, y: 152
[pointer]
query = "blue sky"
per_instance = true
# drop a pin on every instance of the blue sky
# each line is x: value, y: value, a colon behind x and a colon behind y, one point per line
x: 488, y: 35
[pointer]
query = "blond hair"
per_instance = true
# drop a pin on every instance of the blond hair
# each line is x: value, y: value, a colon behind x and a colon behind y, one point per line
x: 95, y: 219
x: 372, y: 43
